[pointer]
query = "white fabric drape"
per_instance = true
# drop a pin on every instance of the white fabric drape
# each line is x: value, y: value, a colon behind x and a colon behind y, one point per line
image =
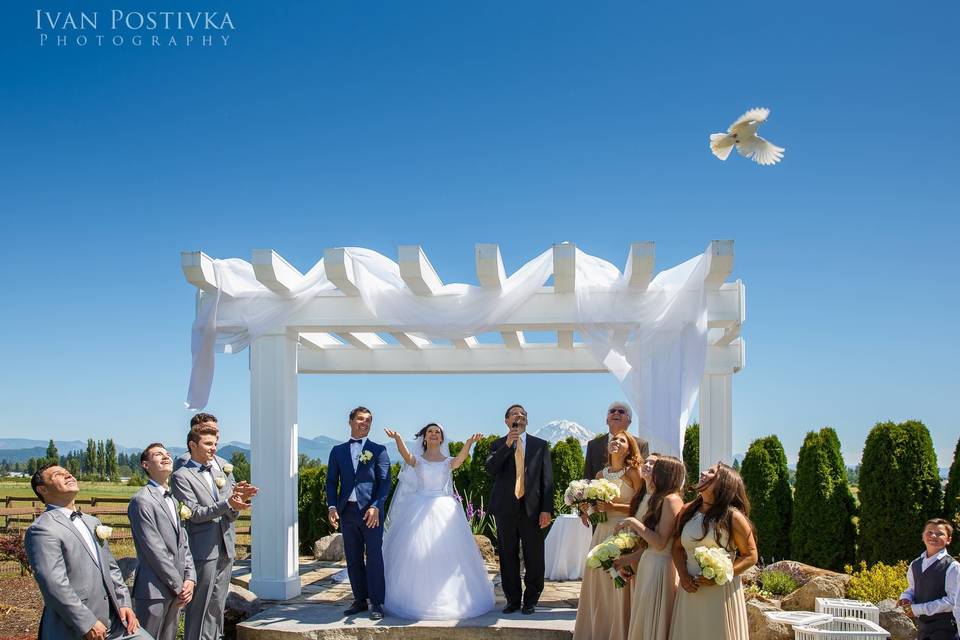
x: 657, y: 352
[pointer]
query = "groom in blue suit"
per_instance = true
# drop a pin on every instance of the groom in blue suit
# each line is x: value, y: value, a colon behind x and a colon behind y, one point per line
x: 358, y: 481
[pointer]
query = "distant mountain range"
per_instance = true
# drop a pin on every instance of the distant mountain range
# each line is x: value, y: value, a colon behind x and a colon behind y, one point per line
x: 558, y: 430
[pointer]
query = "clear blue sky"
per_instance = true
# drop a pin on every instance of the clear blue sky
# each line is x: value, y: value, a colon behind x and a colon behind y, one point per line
x: 447, y: 124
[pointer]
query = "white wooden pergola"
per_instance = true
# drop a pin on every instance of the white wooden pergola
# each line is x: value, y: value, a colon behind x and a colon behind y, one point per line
x: 337, y: 334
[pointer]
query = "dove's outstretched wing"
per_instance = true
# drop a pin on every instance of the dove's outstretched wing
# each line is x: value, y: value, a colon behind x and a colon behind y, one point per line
x: 760, y: 151
x: 721, y: 145
x: 754, y: 115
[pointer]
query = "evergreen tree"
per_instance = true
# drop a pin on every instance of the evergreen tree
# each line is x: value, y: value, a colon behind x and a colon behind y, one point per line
x: 899, y: 490
x: 823, y: 532
x: 567, y: 461
x: 90, y: 460
x: 110, y: 461
x: 241, y: 467
x: 480, y: 480
x: 101, y: 460
x: 767, y: 480
x: 52, y: 455
x: 737, y: 467
x: 951, y: 499
x: 73, y: 466
x: 691, y: 458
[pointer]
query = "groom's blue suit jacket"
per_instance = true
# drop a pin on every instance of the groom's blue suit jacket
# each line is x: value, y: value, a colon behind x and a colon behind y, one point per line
x: 371, y: 479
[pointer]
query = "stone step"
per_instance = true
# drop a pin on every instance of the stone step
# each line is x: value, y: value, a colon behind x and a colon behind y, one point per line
x: 309, y: 621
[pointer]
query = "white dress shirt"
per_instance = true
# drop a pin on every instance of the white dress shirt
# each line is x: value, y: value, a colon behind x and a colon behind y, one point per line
x: 80, y: 526
x: 171, y: 505
x: 951, y: 585
x: 208, y: 475
x: 355, y: 449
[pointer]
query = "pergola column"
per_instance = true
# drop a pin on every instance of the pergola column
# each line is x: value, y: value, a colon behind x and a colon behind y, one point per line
x: 273, y: 441
x: 716, y: 419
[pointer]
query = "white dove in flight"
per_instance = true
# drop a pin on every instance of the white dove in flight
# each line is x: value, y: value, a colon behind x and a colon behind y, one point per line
x: 743, y: 134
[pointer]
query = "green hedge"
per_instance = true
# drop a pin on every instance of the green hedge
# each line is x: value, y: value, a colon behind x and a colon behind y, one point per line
x: 691, y: 459
x: 767, y: 479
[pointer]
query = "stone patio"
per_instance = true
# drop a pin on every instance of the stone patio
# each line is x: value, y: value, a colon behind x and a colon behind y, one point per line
x: 317, y: 612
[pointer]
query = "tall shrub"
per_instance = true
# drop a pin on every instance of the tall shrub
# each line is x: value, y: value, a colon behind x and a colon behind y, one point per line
x: 691, y: 458
x: 899, y: 490
x: 767, y: 479
x: 567, y: 460
x: 951, y: 499
x: 480, y: 481
x: 312, y: 506
x: 822, y: 532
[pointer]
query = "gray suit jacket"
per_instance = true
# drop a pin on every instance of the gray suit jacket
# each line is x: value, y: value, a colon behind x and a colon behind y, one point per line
x: 212, y: 521
x: 596, y: 458
x: 162, y: 548
x: 76, y: 592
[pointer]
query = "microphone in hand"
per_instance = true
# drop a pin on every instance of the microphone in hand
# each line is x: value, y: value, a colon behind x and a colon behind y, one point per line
x: 514, y: 428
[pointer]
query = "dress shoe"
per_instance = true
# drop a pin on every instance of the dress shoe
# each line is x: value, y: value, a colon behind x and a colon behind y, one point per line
x: 528, y: 609
x: 376, y: 612
x: 355, y: 608
x: 511, y: 608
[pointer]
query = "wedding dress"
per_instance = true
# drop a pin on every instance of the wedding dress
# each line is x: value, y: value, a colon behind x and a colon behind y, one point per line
x: 432, y: 566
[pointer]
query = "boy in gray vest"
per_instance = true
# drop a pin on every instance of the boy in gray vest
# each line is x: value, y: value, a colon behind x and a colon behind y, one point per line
x: 933, y: 582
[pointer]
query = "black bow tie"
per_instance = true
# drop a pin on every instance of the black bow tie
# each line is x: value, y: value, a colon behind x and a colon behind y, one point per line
x: 167, y: 494
x: 205, y: 468
x: 75, y: 515
x: 352, y: 440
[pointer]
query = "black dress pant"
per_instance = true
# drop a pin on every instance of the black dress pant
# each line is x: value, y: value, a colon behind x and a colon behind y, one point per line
x: 514, y: 530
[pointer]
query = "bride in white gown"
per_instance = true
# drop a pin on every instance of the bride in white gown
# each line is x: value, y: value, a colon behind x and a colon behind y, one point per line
x: 432, y: 566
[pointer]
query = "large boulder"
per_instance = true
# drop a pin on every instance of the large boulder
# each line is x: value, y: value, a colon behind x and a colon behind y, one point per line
x: 486, y: 549
x: 762, y: 627
x: 241, y: 604
x: 894, y: 620
x: 820, y: 586
x: 802, y: 572
x: 128, y: 567
x: 751, y: 575
x: 329, y: 548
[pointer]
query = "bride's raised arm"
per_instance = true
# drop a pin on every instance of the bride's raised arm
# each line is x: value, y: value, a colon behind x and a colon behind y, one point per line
x: 401, y: 447
x: 465, y: 451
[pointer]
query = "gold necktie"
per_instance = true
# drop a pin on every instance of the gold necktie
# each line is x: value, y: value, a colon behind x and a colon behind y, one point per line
x: 518, y: 460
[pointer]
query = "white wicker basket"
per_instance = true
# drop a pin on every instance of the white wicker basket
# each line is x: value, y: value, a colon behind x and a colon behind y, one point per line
x: 840, y: 608
x: 845, y: 628
x: 797, y: 617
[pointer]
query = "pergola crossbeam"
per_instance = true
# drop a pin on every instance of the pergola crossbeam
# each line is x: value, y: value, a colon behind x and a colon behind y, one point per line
x: 491, y: 275
x: 639, y: 268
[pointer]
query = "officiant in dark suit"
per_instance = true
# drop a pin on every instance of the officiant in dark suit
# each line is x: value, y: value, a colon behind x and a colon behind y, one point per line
x: 521, y: 502
x: 619, y: 417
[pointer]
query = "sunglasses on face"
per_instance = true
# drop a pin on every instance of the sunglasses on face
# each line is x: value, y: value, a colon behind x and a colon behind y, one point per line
x: 619, y: 410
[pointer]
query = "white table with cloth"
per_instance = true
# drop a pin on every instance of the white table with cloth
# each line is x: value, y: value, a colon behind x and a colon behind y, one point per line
x: 566, y: 547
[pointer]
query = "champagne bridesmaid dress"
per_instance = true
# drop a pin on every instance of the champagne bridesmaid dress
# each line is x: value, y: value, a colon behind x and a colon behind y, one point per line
x: 604, y: 611
x: 654, y: 590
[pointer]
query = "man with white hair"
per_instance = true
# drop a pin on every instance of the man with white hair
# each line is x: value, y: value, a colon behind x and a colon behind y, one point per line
x: 619, y: 416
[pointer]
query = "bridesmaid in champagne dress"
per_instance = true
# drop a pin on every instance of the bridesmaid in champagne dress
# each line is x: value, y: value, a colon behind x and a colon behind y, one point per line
x: 717, y: 517
x: 655, y: 581
x: 604, y: 611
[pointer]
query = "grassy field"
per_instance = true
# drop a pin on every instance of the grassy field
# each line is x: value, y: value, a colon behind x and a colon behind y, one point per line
x: 21, y: 489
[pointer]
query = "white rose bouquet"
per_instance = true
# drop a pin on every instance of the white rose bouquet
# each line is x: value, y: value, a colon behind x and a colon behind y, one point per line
x: 612, y: 547
x: 715, y: 564
x: 591, y: 492
x: 104, y: 532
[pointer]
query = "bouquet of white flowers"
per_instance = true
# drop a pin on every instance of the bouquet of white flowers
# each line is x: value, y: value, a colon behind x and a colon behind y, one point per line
x: 591, y: 492
x: 715, y: 564
x: 603, y: 555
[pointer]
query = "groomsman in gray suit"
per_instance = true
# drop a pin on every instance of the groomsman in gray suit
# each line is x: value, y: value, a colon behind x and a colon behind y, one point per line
x: 83, y: 591
x: 165, y: 576
x: 206, y: 486
x: 197, y: 420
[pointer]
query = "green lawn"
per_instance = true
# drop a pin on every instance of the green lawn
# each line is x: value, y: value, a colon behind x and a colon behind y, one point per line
x: 21, y: 489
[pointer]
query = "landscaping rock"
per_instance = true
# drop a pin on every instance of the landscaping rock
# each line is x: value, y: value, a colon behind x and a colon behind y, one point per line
x: 329, y: 548
x: 800, y: 571
x: 895, y: 621
x: 128, y: 567
x: 486, y: 548
x: 761, y: 627
x: 820, y: 586
x: 241, y: 604
x: 750, y: 576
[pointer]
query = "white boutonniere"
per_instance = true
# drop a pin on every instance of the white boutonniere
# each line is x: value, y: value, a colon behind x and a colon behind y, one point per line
x: 104, y: 532
x: 228, y: 468
x: 220, y: 481
x: 185, y: 512
x: 365, y: 457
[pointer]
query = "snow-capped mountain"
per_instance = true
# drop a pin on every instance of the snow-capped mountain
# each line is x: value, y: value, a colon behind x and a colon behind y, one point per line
x: 554, y: 432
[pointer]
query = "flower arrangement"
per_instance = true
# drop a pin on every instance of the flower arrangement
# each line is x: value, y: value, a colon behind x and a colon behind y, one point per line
x: 365, y: 457
x: 612, y: 547
x: 104, y: 532
x: 228, y: 468
x: 715, y: 564
x: 591, y: 492
x: 185, y: 512
x: 220, y: 481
